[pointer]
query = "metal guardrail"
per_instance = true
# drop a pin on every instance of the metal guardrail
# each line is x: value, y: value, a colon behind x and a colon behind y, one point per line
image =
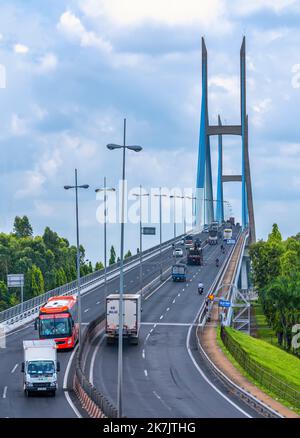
x: 244, y: 395
x: 259, y: 373
x: 105, y: 406
x: 31, y: 306
x: 108, y: 409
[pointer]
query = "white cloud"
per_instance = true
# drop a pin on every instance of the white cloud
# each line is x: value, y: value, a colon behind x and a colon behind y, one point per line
x: 171, y: 12
x: 21, y: 49
x: 263, y: 106
x: 32, y: 184
x: 48, y: 63
x: 230, y: 84
x: 44, y: 208
x: 71, y: 27
x: 18, y: 125
x: 247, y: 7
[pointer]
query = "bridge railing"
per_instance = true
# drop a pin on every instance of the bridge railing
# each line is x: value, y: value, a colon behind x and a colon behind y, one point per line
x: 31, y: 306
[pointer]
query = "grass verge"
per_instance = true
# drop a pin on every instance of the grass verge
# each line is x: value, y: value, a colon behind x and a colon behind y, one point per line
x: 265, y: 358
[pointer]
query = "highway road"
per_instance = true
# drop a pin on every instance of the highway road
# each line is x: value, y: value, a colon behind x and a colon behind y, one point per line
x: 160, y: 377
x: 13, y: 403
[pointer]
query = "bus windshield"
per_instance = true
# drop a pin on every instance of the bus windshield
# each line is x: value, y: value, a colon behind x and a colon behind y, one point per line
x: 55, y: 327
x: 40, y: 368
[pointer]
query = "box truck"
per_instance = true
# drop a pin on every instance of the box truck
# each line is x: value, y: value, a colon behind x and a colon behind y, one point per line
x: 40, y: 366
x: 131, y: 317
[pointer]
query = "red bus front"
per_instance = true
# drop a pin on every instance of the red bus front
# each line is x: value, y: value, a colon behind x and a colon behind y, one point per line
x: 60, y: 327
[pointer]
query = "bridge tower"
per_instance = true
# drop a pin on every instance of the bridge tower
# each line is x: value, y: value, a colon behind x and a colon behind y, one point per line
x: 204, y: 189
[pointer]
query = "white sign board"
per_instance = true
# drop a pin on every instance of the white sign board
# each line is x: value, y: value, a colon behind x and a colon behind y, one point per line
x: 15, y: 280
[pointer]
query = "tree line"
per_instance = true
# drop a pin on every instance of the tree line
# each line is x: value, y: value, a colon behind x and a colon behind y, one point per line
x: 276, y: 275
x: 47, y: 261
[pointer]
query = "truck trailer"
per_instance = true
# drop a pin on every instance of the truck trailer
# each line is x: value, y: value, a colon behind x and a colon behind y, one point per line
x: 131, y: 317
x: 195, y: 256
x: 40, y: 366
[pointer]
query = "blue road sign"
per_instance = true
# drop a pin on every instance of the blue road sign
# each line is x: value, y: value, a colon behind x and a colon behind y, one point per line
x: 224, y: 303
x: 149, y: 230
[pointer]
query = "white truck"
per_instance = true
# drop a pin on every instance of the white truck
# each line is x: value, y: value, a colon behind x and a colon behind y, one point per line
x: 40, y: 366
x: 131, y: 317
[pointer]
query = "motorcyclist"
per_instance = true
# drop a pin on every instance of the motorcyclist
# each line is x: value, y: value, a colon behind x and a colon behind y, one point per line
x: 200, y: 288
x: 217, y: 263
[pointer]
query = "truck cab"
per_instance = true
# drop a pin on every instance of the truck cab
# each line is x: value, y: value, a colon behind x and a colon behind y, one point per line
x: 40, y: 367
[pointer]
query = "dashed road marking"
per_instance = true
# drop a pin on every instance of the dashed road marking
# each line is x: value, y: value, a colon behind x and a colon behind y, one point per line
x: 146, y: 373
x: 143, y: 354
x: 173, y: 302
x: 168, y: 309
x: 14, y: 368
x: 147, y: 337
x: 98, y: 302
x: 86, y: 310
x: 4, y: 392
x: 161, y: 316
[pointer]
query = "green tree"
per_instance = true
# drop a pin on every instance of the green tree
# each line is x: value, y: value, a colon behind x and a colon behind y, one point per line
x: 36, y: 280
x: 22, y: 227
x: 99, y: 266
x: 275, y: 235
x: 112, y: 258
x: 3, y: 296
x: 128, y: 254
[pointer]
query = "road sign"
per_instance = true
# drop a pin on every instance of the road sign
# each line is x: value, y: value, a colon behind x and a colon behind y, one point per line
x: 15, y: 280
x: 230, y: 241
x: 149, y: 231
x: 224, y: 303
x: 211, y: 297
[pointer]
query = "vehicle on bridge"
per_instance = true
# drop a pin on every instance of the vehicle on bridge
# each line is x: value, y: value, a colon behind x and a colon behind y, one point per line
x: 58, y: 320
x: 195, y: 256
x: 188, y: 241
x: 227, y: 233
x: 179, y: 272
x: 40, y: 366
x: 178, y: 252
x: 131, y: 321
x: 232, y: 221
x: 213, y: 236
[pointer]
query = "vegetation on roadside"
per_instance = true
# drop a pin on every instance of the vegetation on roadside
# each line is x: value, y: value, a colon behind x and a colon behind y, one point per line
x: 263, y: 330
x: 267, y: 358
x: 276, y: 276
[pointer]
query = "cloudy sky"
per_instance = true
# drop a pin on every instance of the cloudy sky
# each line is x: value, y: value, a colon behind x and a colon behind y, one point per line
x: 72, y: 70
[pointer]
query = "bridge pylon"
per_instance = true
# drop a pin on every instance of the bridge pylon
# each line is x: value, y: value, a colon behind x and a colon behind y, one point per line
x: 204, y: 187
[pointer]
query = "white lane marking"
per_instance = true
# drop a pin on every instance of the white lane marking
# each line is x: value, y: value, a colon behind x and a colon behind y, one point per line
x: 206, y: 378
x: 147, y: 337
x: 65, y: 383
x: 183, y: 290
x: 91, y: 376
x: 161, y: 316
x: 14, y: 368
x: 155, y: 325
x: 146, y: 373
x: 178, y: 294
x: 187, y: 285
x: 168, y: 308
x: 183, y: 324
x: 98, y: 302
x: 4, y: 392
x: 155, y: 290
x: 151, y: 330
x: 143, y: 353
x: 156, y: 395
x: 86, y: 310
x: 173, y: 302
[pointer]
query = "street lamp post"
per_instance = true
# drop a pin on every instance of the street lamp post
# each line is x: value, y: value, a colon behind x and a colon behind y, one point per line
x: 76, y: 187
x: 160, y: 195
x: 140, y: 195
x: 120, y: 341
x: 105, y: 190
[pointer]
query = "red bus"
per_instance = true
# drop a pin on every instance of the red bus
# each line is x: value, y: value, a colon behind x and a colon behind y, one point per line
x: 58, y: 320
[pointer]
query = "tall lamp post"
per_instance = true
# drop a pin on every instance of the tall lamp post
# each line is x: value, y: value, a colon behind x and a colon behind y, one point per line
x: 76, y: 187
x: 140, y: 195
x: 105, y: 190
x: 160, y: 195
x: 174, y: 199
x: 120, y: 344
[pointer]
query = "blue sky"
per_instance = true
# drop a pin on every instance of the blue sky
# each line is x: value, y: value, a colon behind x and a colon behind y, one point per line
x: 75, y: 69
